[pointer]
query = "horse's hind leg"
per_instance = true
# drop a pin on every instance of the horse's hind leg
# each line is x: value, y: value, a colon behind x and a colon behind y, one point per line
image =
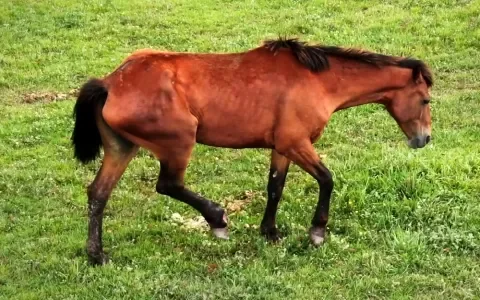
x: 118, y: 152
x: 173, y: 164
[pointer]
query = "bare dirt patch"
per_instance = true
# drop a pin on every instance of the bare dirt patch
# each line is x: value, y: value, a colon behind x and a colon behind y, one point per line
x: 237, y: 205
x: 47, y: 97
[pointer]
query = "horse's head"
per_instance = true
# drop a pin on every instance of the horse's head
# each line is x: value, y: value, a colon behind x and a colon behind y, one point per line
x: 410, y: 107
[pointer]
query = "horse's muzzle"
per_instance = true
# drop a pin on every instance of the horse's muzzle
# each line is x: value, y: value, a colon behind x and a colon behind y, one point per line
x: 419, y: 141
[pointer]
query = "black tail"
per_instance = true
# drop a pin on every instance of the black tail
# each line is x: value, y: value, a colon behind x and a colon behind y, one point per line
x: 86, y: 137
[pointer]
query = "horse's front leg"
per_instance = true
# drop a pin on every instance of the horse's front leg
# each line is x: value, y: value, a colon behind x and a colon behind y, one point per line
x: 276, y: 181
x: 304, y: 155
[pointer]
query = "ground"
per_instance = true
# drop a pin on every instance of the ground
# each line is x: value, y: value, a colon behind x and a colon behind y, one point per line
x: 404, y: 224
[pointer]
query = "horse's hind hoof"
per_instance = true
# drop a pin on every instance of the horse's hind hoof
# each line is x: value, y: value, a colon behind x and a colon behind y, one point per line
x: 221, y: 233
x: 317, y: 236
x: 98, y: 259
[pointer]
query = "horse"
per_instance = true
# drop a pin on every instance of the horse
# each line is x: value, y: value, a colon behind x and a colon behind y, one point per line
x: 277, y: 96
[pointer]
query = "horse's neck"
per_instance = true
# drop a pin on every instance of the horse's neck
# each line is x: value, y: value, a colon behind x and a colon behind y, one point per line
x: 370, y: 85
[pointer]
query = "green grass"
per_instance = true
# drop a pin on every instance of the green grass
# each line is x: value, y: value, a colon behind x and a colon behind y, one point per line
x: 404, y: 224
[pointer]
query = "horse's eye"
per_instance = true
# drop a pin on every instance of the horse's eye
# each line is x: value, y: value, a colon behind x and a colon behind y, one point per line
x: 426, y: 101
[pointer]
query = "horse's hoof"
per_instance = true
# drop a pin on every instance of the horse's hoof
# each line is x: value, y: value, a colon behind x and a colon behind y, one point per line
x: 271, y: 234
x: 317, y: 236
x: 98, y: 259
x: 221, y: 233
x: 219, y: 229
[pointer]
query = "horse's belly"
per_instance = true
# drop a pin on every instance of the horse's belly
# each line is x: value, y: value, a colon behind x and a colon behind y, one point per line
x: 237, y: 136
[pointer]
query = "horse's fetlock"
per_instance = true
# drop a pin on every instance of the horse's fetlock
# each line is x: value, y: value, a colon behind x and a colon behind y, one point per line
x: 216, y: 216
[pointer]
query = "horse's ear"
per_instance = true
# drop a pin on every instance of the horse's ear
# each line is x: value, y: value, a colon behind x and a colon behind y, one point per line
x: 420, y: 72
x: 416, y: 74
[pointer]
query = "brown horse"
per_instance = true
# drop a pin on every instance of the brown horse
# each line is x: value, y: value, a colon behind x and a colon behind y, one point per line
x: 279, y: 96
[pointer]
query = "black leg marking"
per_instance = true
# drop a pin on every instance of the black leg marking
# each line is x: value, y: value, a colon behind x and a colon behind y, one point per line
x: 276, y: 183
x: 97, y: 201
x: 320, y: 218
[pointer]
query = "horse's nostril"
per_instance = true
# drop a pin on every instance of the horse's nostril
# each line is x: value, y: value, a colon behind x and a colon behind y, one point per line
x: 428, y: 139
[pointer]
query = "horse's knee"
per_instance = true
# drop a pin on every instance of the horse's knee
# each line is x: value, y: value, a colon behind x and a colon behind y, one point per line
x: 326, y: 182
x: 324, y: 177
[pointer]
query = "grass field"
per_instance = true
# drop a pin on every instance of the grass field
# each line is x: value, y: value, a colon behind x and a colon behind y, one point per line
x: 404, y: 224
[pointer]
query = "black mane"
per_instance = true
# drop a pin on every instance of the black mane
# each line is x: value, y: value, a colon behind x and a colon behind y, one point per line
x: 315, y: 57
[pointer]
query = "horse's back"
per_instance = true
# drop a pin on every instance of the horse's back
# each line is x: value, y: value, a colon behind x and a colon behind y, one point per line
x: 234, y: 100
